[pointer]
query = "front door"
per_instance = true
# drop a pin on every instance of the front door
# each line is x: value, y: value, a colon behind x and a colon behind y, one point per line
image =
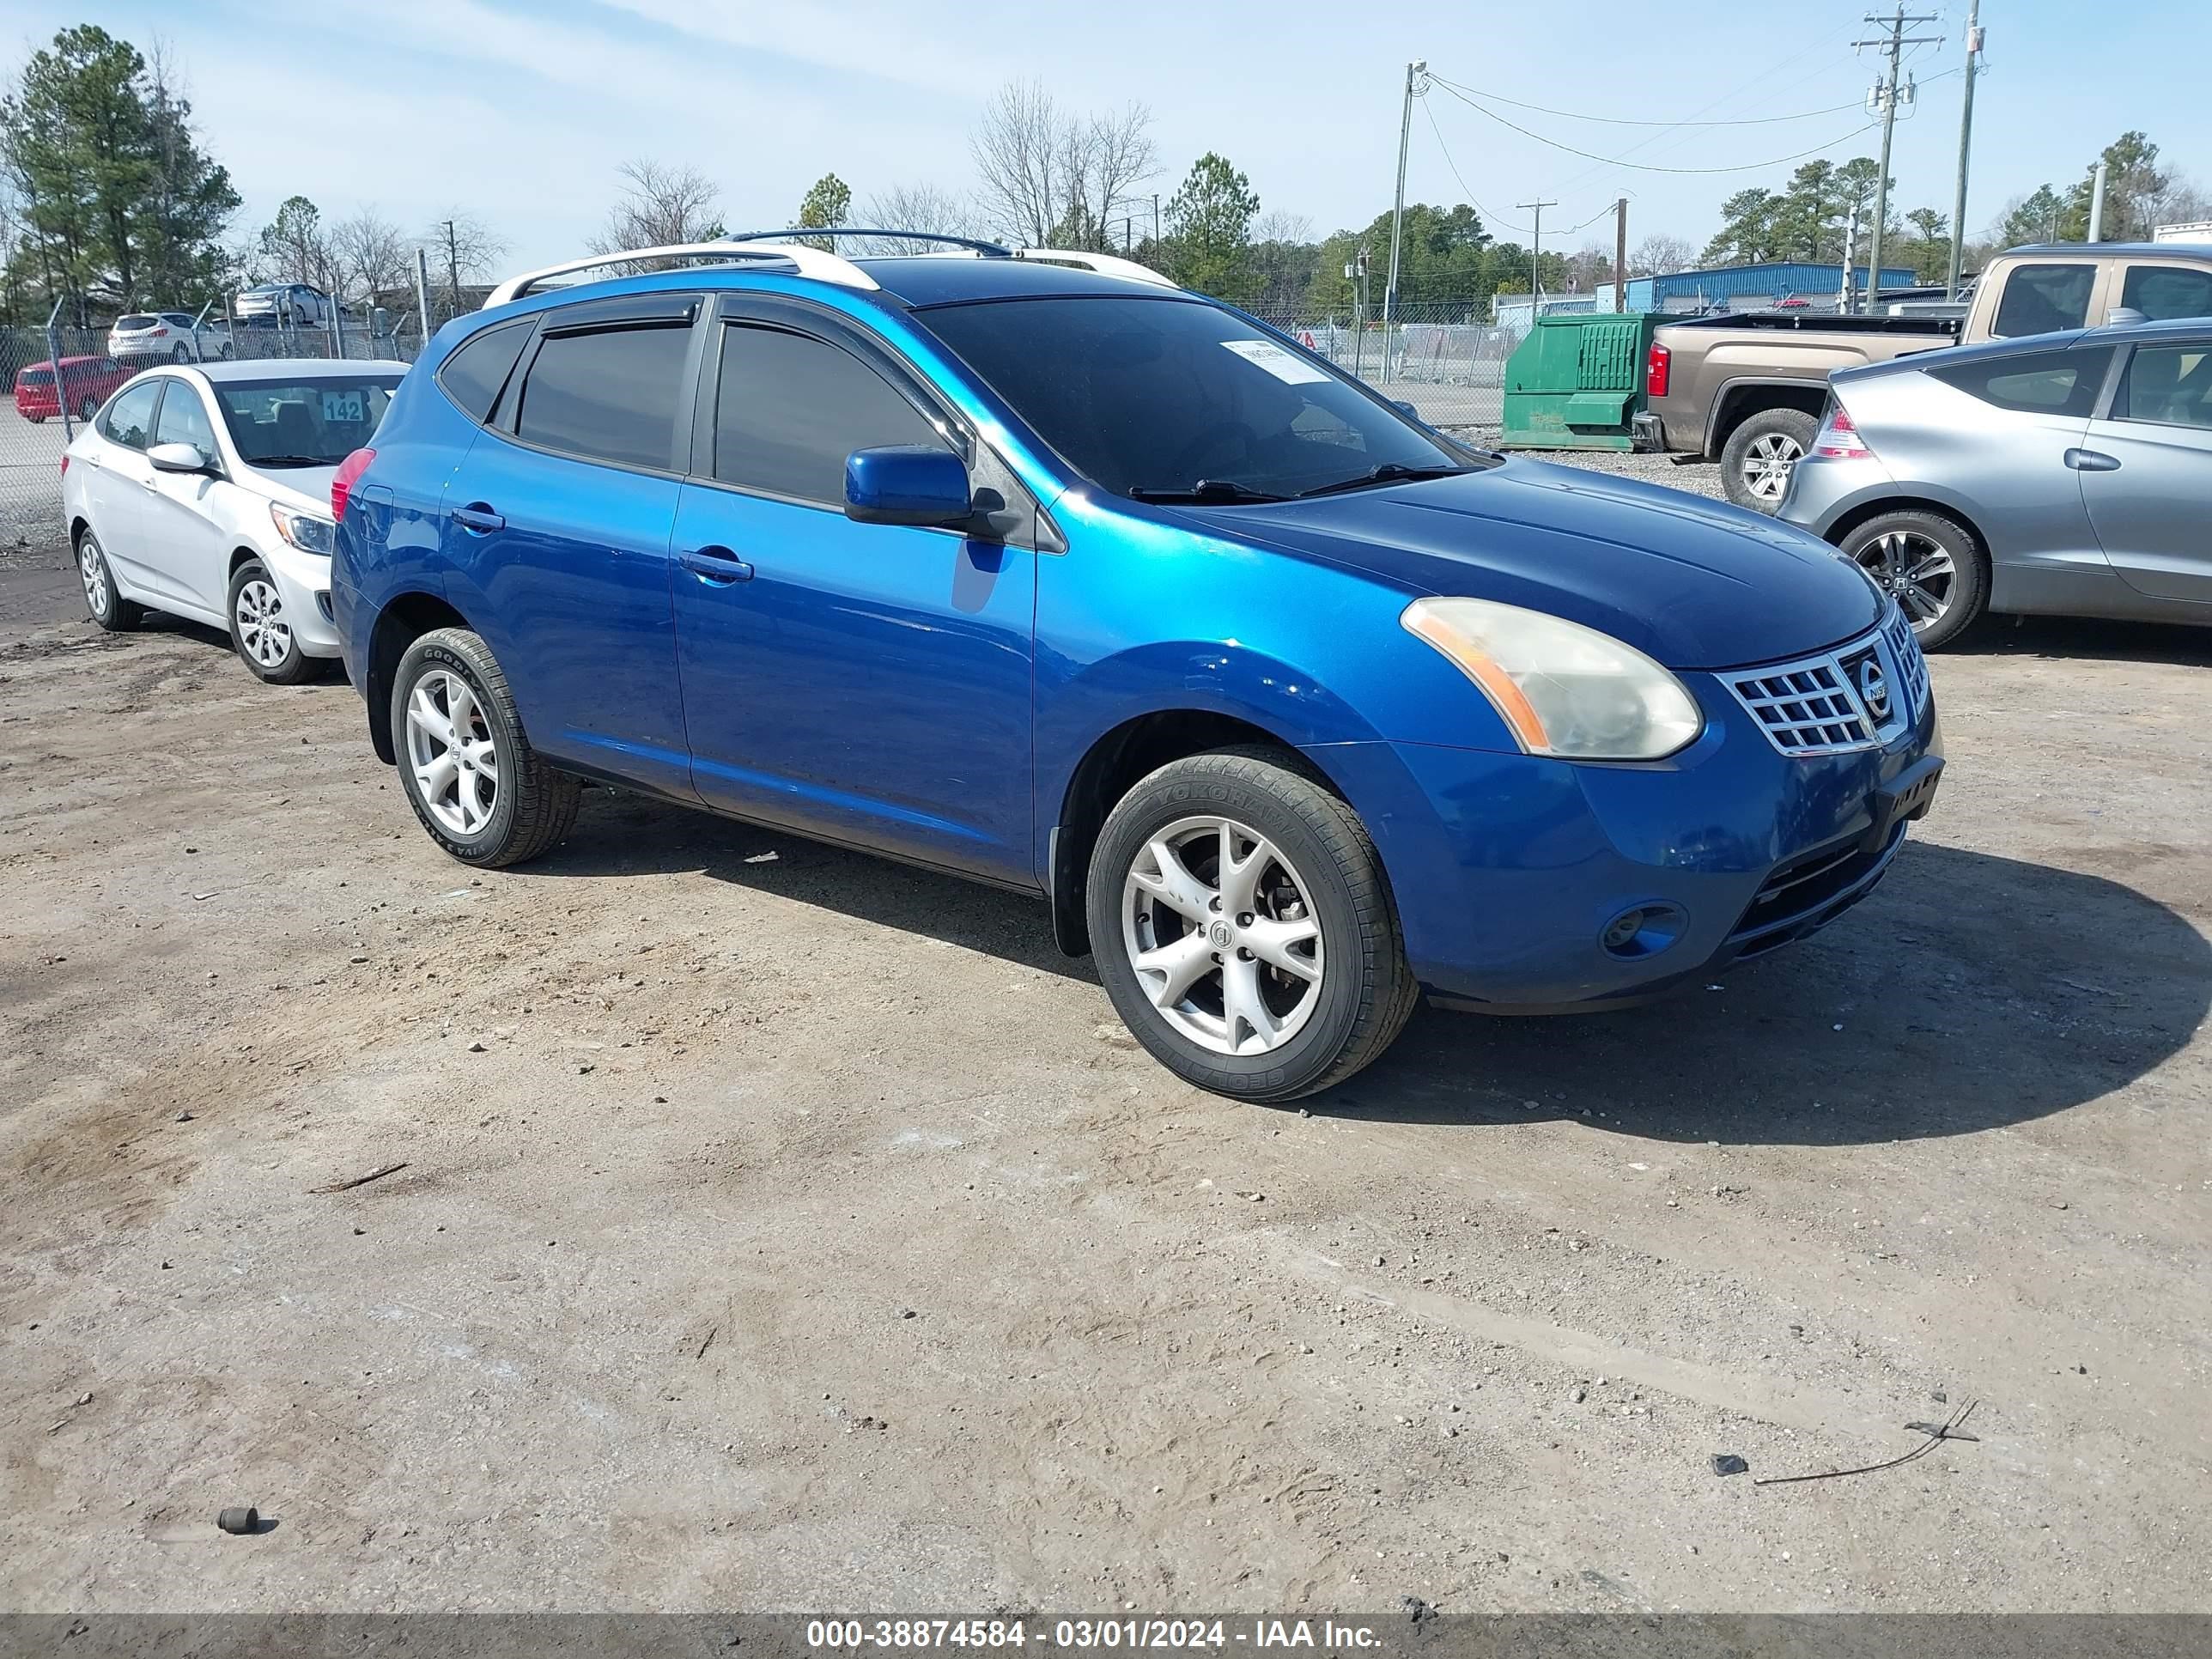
x: 2151, y: 478
x: 556, y: 531
x: 866, y: 682
x: 181, y: 525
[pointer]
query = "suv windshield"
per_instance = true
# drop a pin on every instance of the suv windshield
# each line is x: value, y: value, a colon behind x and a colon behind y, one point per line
x: 302, y: 422
x: 1166, y: 397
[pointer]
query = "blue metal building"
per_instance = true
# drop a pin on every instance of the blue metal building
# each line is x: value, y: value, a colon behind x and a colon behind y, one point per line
x: 1770, y: 281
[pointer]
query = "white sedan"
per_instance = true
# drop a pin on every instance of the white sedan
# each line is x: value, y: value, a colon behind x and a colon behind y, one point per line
x: 171, y: 334
x: 205, y: 491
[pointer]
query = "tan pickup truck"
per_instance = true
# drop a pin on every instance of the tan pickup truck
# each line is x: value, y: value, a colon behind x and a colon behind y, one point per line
x: 1747, y: 389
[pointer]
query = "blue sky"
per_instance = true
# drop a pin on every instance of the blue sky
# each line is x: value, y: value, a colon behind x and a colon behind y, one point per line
x: 521, y: 114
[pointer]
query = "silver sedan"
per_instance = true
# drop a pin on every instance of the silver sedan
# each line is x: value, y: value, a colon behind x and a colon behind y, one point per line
x: 2067, y: 474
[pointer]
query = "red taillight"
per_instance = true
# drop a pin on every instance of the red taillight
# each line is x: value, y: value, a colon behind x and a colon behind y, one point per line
x: 349, y: 475
x: 1837, y: 439
x: 1658, y: 369
x: 160, y: 332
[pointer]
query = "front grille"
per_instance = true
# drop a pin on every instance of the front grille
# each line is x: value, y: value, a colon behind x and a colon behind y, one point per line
x: 1858, y: 696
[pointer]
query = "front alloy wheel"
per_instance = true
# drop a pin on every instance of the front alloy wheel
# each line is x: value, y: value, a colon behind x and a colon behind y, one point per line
x: 1222, y: 935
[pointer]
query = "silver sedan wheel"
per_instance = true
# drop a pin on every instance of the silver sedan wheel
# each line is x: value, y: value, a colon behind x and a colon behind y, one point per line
x: 1223, y: 934
x: 262, y: 628
x: 450, y: 750
x: 94, y: 574
x: 1767, y: 464
x: 1916, y: 569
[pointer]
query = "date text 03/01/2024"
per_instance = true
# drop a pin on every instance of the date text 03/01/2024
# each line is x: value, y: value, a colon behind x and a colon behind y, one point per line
x: 1135, y: 1632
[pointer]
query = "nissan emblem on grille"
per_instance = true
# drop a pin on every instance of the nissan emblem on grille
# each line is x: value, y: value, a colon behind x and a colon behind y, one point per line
x: 1873, y: 686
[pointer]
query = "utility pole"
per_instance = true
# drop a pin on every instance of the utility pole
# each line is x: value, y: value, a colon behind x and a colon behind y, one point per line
x: 1417, y: 82
x: 1620, y: 254
x: 1965, y: 141
x: 1536, y: 262
x: 2097, y: 204
x: 1894, y: 44
x: 422, y: 291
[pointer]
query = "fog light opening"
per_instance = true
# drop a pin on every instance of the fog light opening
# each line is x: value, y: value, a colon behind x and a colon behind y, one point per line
x: 1643, y: 930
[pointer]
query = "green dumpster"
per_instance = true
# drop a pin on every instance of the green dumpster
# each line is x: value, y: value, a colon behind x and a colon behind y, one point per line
x: 1577, y: 382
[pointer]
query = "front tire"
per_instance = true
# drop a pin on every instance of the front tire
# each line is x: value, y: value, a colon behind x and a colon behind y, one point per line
x: 1758, y: 456
x: 468, y: 768
x: 1932, y: 564
x: 108, y: 607
x: 259, y: 630
x: 1243, y: 928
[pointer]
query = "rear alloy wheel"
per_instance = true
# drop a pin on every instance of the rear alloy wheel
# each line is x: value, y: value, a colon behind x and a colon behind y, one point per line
x: 1930, y: 564
x: 1243, y: 929
x: 1760, y: 454
x: 468, y: 771
x: 87, y: 407
x: 260, y: 629
x: 109, y: 608
x: 183, y: 353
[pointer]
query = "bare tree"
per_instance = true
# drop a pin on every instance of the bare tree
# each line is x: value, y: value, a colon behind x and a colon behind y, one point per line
x: 1656, y: 255
x: 1047, y: 177
x: 1588, y: 266
x: 1279, y: 225
x: 371, y: 256
x: 915, y: 207
x: 660, y: 207
x: 460, y: 250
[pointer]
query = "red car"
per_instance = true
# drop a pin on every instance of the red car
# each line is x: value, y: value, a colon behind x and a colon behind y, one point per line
x: 88, y: 380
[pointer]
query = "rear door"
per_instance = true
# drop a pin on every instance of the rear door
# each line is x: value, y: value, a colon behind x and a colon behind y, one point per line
x: 118, y: 494
x: 557, y: 527
x: 864, y: 681
x: 2149, y: 494
x: 2165, y: 290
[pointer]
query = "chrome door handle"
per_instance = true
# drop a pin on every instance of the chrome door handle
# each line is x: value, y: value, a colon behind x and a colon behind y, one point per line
x: 717, y: 565
x: 2092, y: 460
x: 479, y: 517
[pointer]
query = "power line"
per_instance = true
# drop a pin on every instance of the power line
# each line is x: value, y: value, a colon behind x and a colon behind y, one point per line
x: 1622, y: 121
x: 1646, y: 167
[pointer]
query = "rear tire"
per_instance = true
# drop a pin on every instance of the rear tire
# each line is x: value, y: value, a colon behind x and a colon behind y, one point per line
x: 108, y: 607
x: 1924, y: 558
x: 468, y: 768
x: 1757, y: 459
x: 1248, y: 850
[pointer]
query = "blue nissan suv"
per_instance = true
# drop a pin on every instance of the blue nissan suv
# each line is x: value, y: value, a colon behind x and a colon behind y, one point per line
x: 1032, y: 567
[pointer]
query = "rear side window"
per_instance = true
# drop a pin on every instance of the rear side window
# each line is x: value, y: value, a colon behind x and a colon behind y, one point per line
x: 130, y: 418
x: 473, y: 375
x: 2044, y: 299
x: 607, y: 395
x: 2167, y: 385
x: 788, y: 409
x: 2164, y: 292
x: 2034, y: 382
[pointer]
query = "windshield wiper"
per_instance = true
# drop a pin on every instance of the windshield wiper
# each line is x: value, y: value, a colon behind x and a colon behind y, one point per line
x: 289, y: 460
x: 1206, y: 490
x: 1388, y: 472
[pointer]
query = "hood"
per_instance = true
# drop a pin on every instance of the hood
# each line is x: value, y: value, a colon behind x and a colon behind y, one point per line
x: 303, y: 489
x: 1690, y: 583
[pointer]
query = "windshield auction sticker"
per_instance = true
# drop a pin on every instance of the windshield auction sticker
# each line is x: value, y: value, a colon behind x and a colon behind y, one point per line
x: 1283, y: 365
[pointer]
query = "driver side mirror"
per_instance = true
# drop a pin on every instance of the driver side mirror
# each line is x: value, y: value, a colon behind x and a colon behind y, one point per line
x: 178, y: 458
x: 909, y: 484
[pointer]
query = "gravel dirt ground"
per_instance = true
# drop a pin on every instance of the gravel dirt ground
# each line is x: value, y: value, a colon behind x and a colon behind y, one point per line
x: 776, y: 1228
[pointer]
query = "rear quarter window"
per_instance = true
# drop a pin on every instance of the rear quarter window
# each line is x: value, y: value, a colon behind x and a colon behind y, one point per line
x: 2038, y: 383
x: 478, y: 368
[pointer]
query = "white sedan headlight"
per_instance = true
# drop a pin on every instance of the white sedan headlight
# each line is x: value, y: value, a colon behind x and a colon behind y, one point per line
x: 1564, y: 689
x: 304, y: 529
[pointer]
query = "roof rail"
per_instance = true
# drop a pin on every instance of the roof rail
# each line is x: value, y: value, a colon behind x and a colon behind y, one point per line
x: 1106, y: 264
x: 806, y: 261
x: 972, y: 244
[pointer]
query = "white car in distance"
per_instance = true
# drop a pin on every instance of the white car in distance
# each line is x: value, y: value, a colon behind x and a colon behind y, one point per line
x: 205, y: 491
x: 171, y: 334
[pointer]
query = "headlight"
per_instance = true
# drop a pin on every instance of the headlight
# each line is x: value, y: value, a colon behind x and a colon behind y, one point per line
x: 304, y: 529
x: 1563, y: 689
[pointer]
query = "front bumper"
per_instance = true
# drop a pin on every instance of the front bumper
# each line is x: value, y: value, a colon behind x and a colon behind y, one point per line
x: 304, y: 582
x: 1508, y: 869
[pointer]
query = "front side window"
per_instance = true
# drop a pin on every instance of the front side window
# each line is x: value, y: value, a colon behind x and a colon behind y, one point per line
x: 130, y: 418
x: 183, y: 420
x: 303, y: 421
x: 2034, y: 382
x: 1158, y: 396
x: 2162, y: 293
x: 2043, y: 299
x: 607, y: 394
x: 2167, y: 385
x: 788, y: 409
